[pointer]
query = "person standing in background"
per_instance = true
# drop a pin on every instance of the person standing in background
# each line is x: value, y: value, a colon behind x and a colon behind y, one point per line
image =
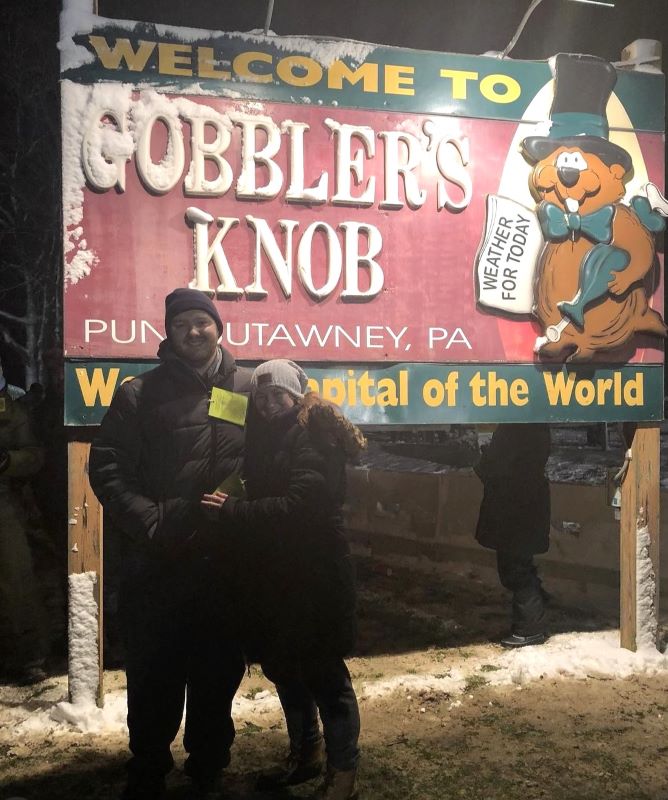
x: 22, y: 622
x: 514, y: 520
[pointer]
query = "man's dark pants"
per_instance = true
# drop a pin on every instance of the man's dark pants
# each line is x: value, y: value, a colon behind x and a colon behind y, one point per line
x: 517, y: 573
x: 178, y: 633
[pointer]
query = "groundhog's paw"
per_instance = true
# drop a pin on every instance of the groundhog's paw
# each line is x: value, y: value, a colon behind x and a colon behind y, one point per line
x: 619, y: 284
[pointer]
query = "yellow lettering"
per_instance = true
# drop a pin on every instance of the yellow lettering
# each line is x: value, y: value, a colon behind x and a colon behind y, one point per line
x: 603, y: 386
x: 398, y: 79
x: 334, y: 389
x: 170, y: 56
x: 285, y: 69
x: 340, y: 71
x: 634, y: 394
x: 459, y: 79
x: 433, y: 393
x: 352, y: 388
x: 519, y: 392
x: 403, y: 387
x: 122, y: 51
x: 511, y: 92
x: 559, y: 388
x: 387, y: 392
x: 585, y: 394
x: 366, y: 384
x: 206, y: 65
x: 617, y: 377
x: 477, y: 384
x: 242, y: 66
x: 497, y: 387
x: 97, y: 386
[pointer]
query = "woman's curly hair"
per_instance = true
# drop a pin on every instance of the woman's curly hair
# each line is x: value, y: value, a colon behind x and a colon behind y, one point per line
x: 328, y: 427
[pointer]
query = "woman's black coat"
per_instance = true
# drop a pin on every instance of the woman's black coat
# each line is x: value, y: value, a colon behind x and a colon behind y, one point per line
x: 297, y: 586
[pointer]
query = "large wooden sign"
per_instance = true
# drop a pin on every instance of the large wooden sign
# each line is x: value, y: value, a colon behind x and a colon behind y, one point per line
x: 444, y: 238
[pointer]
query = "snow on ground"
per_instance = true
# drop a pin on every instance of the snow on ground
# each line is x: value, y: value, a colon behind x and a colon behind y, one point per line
x: 573, y: 656
x: 62, y: 716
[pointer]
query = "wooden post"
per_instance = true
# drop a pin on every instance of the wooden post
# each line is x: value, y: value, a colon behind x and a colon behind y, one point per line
x: 640, y: 509
x: 84, y: 549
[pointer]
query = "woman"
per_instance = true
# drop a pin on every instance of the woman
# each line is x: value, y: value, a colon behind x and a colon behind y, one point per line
x: 299, y: 595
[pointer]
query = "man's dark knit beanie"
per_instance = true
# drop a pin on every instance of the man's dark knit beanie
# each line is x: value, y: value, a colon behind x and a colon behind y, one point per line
x: 190, y: 300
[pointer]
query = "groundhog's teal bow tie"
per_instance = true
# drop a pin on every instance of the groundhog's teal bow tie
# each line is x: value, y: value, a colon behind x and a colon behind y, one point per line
x: 558, y: 224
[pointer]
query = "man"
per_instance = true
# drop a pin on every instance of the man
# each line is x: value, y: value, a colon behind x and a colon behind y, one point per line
x: 157, y: 451
x: 515, y: 521
x: 22, y: 641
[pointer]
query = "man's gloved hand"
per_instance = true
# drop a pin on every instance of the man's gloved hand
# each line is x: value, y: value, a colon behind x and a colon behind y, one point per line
x: 4, y: 459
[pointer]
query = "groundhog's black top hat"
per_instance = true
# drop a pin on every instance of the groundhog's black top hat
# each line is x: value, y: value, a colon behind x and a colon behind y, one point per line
x: 583, y: 85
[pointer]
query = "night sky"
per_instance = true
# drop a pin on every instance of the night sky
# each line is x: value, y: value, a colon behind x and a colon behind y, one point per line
x: 458, y: 26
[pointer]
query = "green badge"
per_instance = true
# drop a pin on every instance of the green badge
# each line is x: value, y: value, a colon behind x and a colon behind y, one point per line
x: 233, y: 485
x: 228, y: 406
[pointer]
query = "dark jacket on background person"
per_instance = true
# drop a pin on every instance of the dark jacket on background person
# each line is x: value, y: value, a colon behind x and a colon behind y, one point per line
x: 299, y: 597
x: 158, y: 450
x: 22, y: 622
x: 515, y: 509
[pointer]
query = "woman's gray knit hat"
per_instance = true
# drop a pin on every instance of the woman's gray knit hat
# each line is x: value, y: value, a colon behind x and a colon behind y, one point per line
x: 282, y: 373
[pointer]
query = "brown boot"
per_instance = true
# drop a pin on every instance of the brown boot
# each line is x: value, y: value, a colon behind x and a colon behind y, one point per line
x: 338, y: 785
x: 302, y: 764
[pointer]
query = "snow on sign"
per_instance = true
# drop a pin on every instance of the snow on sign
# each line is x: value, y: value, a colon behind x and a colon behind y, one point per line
x: 450, y: 238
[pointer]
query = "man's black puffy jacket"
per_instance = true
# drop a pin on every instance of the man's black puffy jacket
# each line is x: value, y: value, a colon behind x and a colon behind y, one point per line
x: 158, y: 450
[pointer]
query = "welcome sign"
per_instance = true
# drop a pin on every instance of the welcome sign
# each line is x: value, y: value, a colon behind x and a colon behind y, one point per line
x: 360, y: 207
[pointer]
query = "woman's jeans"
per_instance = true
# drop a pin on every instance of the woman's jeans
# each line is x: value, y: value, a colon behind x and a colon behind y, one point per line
x: 322, y: 684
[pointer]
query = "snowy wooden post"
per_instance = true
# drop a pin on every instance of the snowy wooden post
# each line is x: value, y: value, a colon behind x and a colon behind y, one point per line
x: 639, y: 540
x: 84, y: 581
x: 639, y: 549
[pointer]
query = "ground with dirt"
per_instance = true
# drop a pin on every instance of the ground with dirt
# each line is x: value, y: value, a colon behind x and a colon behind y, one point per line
x: 445, y: 713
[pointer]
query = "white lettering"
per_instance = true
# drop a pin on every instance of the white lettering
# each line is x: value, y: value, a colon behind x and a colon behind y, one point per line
x: 348, y: 165
x: 355, y: 260
x: 281, y: 263
x: 251, y: 158
x: 296, y: 192
x: 334, y: 260
x: 202, y: 151
x: 415, y: 196
x: 205, y: 253
x: 164, y: 175
x: 100, y: 327
x: 452, y: 156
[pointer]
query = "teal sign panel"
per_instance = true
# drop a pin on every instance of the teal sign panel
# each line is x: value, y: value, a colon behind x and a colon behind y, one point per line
x: 329, y: 72
x: 430, y: 394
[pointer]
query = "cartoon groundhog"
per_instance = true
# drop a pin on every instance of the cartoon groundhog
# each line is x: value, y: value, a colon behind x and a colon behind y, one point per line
x: 593, y: 277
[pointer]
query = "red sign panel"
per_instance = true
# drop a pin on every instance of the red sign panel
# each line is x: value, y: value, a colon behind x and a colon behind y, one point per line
x: 325, y: 233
